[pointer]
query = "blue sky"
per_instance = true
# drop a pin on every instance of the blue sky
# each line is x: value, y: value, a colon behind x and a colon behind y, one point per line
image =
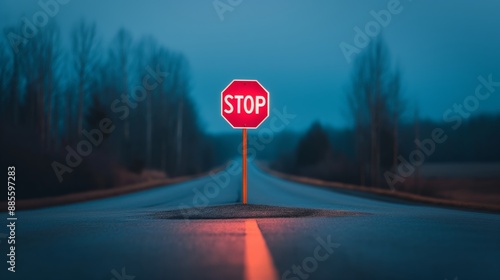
x: 292, y: 48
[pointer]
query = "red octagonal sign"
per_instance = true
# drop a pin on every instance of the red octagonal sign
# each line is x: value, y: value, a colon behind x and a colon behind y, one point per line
x: 245, y: 104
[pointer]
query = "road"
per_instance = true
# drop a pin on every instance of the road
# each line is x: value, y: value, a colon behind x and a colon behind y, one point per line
x: 133, y: 236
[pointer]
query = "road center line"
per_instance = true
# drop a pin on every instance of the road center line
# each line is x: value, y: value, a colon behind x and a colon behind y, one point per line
x: 258, y: 261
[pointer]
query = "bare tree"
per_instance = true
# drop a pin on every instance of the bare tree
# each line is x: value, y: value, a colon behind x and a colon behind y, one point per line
x: 181, y: 112
x: 12, y: 77
x: 120, y: 55
x: 51, y: 54
x: 375, y: 107
x: 149, y: 55
x: 169, y: 124
x: 84, y: 46
x: 179, y: 89
x: 31, y: 75
x: 416, y: 181
x: 5, y: 76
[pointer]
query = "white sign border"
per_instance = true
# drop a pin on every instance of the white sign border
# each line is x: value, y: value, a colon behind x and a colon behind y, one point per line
x: 222, y: 103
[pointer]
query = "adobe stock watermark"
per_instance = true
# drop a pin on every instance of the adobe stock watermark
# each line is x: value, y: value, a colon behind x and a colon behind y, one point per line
x: 276, y: 123
x: 31, y: 26
x: 122, y: 276
x: 372, y: 29
x: 120, y: 106
x: 223, y: 6
x: 310, y: 264
x: 454, y: 116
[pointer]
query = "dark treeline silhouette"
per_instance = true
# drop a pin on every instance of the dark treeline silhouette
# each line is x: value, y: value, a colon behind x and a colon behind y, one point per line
x: 476, y: 141
x: 379, y: 139
x: 56, y: 95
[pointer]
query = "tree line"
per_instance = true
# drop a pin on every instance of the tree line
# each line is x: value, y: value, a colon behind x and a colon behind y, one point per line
x: 379, y: 142
x: 54, y: 92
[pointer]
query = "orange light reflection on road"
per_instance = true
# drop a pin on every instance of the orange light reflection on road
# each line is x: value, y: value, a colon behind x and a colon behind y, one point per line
x: 258, y: 261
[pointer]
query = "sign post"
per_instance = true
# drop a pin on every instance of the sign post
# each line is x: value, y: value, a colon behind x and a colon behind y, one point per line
x: 244, y: 105
x: 244, y: 171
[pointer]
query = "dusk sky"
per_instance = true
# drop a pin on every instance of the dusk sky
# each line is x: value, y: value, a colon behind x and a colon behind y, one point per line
x: 292, y: 48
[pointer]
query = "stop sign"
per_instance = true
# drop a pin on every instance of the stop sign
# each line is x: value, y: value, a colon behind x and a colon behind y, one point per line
x: 245, y: 104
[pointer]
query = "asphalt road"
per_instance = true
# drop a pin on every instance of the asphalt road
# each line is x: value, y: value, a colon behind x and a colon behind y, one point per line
x: 174, y: 232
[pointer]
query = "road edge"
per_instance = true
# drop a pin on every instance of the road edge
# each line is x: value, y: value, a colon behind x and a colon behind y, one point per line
x: 337, y: 186
x: 35, y: 203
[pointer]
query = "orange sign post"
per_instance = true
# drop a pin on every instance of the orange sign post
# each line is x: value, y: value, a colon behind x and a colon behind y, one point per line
x: 244, y: 159
x: 244, y: 104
